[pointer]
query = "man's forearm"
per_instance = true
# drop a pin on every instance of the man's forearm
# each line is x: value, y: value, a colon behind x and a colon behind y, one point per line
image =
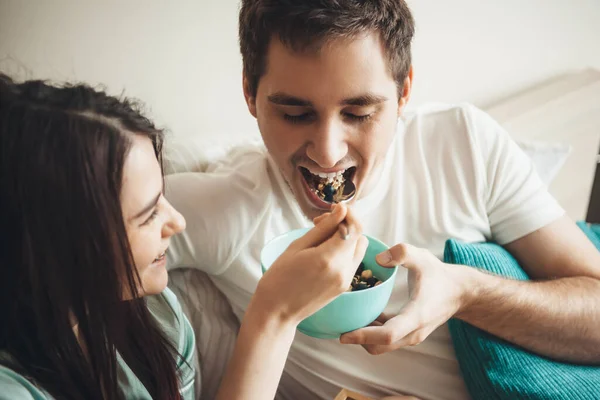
x: 558, y: 318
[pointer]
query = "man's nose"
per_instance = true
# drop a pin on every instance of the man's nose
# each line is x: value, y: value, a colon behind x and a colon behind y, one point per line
x: 328, y: 144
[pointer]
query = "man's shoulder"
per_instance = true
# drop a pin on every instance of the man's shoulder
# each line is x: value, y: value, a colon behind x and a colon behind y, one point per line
x: 437, y: 126
x: 462, y: 126
x: 442, y: 141
x: 434, y: 117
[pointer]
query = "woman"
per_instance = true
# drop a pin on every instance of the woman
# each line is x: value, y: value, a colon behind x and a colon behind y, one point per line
x: 83, y: 301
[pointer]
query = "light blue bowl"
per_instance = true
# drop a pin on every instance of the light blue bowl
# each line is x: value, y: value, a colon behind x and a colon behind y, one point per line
x: 349, y: 311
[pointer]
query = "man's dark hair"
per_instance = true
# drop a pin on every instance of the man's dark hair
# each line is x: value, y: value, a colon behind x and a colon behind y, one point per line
x: 306, y: 25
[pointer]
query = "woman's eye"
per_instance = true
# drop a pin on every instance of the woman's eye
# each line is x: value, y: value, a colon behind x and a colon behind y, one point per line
x: 152, y: 217
x: 296, y: 119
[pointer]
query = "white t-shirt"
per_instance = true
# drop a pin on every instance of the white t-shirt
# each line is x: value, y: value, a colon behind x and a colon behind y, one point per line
x: 451, y: 172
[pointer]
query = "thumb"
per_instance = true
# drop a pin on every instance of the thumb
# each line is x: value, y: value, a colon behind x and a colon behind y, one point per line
x: 398, y: 254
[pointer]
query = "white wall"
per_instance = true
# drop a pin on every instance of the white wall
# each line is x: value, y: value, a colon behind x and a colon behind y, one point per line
x: 182, y: 58
x: 484, y: 50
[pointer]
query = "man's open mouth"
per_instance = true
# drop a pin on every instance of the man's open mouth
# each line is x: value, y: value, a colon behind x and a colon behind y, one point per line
x: 329, y: 187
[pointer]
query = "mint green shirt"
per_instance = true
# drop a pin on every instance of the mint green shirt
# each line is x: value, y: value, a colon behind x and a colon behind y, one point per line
x: 166, y: 309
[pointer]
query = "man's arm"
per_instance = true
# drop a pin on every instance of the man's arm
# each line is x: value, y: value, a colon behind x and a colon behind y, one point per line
x: 558, y: 313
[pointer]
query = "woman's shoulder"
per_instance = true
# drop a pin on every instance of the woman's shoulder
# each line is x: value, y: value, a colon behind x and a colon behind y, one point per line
x: 167, y: 311
x: 165, y: 307
x: 16, y: 387
x: 166, y: 298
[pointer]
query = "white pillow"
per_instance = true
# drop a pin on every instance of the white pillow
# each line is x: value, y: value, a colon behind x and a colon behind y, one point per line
x: 548, y: 158
x: 194, y: 154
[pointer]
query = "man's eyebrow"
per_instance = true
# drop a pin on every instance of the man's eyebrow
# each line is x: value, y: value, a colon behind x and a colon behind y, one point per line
x: 365, y: 100
x: 288, y: 100
x: 148, y: 207
x: 361, y: 101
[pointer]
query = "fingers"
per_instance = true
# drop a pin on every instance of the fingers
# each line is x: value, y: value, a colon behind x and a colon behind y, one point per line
x: 403, y: 330
x: 412, y: 339
x: 383, y: 318
x: 375, y: 323
x: 392, y: 332
x: 354, y: 228
x: 360, y: 249
x: 323, y: 231
x: 346, y: 249
x: 396, y: 255
x: 320, y: 218
x: 349, y: 236
x: 373, y: 337
x: 345, y: 229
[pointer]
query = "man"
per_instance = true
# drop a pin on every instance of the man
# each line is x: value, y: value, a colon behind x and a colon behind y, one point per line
x: 328, y: 82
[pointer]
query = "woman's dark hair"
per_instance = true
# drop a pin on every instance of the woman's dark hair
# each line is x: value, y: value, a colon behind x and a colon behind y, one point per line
x: 306, y: 25
x: 65, y: 253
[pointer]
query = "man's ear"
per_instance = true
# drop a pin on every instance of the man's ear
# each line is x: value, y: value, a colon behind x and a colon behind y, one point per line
x: 406, y: 90
x: 250, y: 98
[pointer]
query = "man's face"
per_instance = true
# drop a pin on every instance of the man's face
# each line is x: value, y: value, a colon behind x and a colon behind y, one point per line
x: 327, y: 112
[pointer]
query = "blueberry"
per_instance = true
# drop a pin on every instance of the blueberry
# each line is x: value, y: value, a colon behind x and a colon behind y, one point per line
x: 361, y: 286
x: 328, y: 190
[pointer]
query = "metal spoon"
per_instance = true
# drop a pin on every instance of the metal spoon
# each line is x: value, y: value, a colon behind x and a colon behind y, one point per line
x: 347, y: 193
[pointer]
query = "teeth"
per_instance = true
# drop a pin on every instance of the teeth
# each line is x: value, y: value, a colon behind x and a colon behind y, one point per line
x: 327, y: 186
x: 325, y: 175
